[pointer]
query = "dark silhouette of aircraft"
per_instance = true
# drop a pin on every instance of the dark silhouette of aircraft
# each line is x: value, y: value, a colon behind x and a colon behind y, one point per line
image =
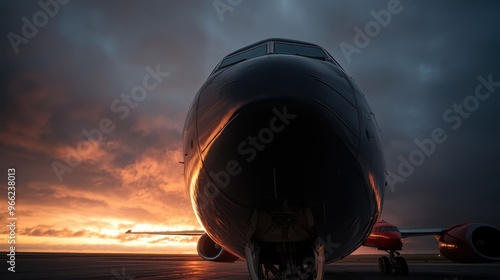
x: 284, y: 168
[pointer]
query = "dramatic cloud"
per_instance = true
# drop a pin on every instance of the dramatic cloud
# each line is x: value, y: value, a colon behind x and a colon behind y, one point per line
x: 93, y: 102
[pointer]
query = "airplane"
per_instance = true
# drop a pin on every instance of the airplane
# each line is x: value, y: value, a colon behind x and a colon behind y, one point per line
x: 284, y: 168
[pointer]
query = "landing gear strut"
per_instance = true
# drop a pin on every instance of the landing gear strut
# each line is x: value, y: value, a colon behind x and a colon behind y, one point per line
x: 394, y: 261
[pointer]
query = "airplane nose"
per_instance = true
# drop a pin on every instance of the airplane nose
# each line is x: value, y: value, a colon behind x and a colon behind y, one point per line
x: 278, y: 129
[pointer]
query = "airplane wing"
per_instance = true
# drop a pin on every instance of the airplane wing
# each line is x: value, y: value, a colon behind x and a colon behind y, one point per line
x: 181, y: 232
x: 412, y: 232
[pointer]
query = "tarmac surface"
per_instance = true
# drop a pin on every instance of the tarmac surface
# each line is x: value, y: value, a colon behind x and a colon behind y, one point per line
x: 151, y: 266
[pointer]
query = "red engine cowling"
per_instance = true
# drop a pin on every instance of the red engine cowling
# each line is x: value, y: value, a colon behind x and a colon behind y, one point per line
x: 211, y: 251
x: 471, y: 243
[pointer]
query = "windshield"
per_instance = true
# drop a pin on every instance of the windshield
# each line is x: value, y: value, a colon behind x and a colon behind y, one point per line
x: 295, y: 49
x: 389, y: 228
x: 251, y: 53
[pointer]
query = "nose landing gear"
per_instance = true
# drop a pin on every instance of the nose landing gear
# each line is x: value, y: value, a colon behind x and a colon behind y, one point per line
x: 311, y: 268
x: 393, y: 262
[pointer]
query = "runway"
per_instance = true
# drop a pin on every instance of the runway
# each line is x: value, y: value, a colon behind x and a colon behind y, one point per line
x: 150, y: 266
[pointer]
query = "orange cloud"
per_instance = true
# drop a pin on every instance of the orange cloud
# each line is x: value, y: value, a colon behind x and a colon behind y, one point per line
x: 157, y: 124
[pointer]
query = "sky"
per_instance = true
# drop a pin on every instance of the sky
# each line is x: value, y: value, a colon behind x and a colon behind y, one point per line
x: 91, y: 162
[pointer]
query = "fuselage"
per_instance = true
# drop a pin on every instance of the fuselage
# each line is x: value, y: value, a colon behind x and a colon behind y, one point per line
x: 385, y: 236
x: 282, y: 147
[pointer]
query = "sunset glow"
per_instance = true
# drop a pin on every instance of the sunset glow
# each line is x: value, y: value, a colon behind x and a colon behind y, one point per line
x: 93, y: 104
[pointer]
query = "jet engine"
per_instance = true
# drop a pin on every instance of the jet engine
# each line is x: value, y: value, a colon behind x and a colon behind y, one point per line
x: 470, y: 243
x: 211, y: 251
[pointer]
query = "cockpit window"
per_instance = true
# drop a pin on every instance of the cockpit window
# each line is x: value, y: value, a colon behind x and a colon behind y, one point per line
x: 388, y: 228
x: 309, y: 51
x: 248, y: 54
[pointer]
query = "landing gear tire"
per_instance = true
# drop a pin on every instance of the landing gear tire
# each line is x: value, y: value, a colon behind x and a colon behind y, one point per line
x: 253, y: 264
x: 401, y: 267
x: 393, y: 262
x: 291, y: 267
x: 384, y: 265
